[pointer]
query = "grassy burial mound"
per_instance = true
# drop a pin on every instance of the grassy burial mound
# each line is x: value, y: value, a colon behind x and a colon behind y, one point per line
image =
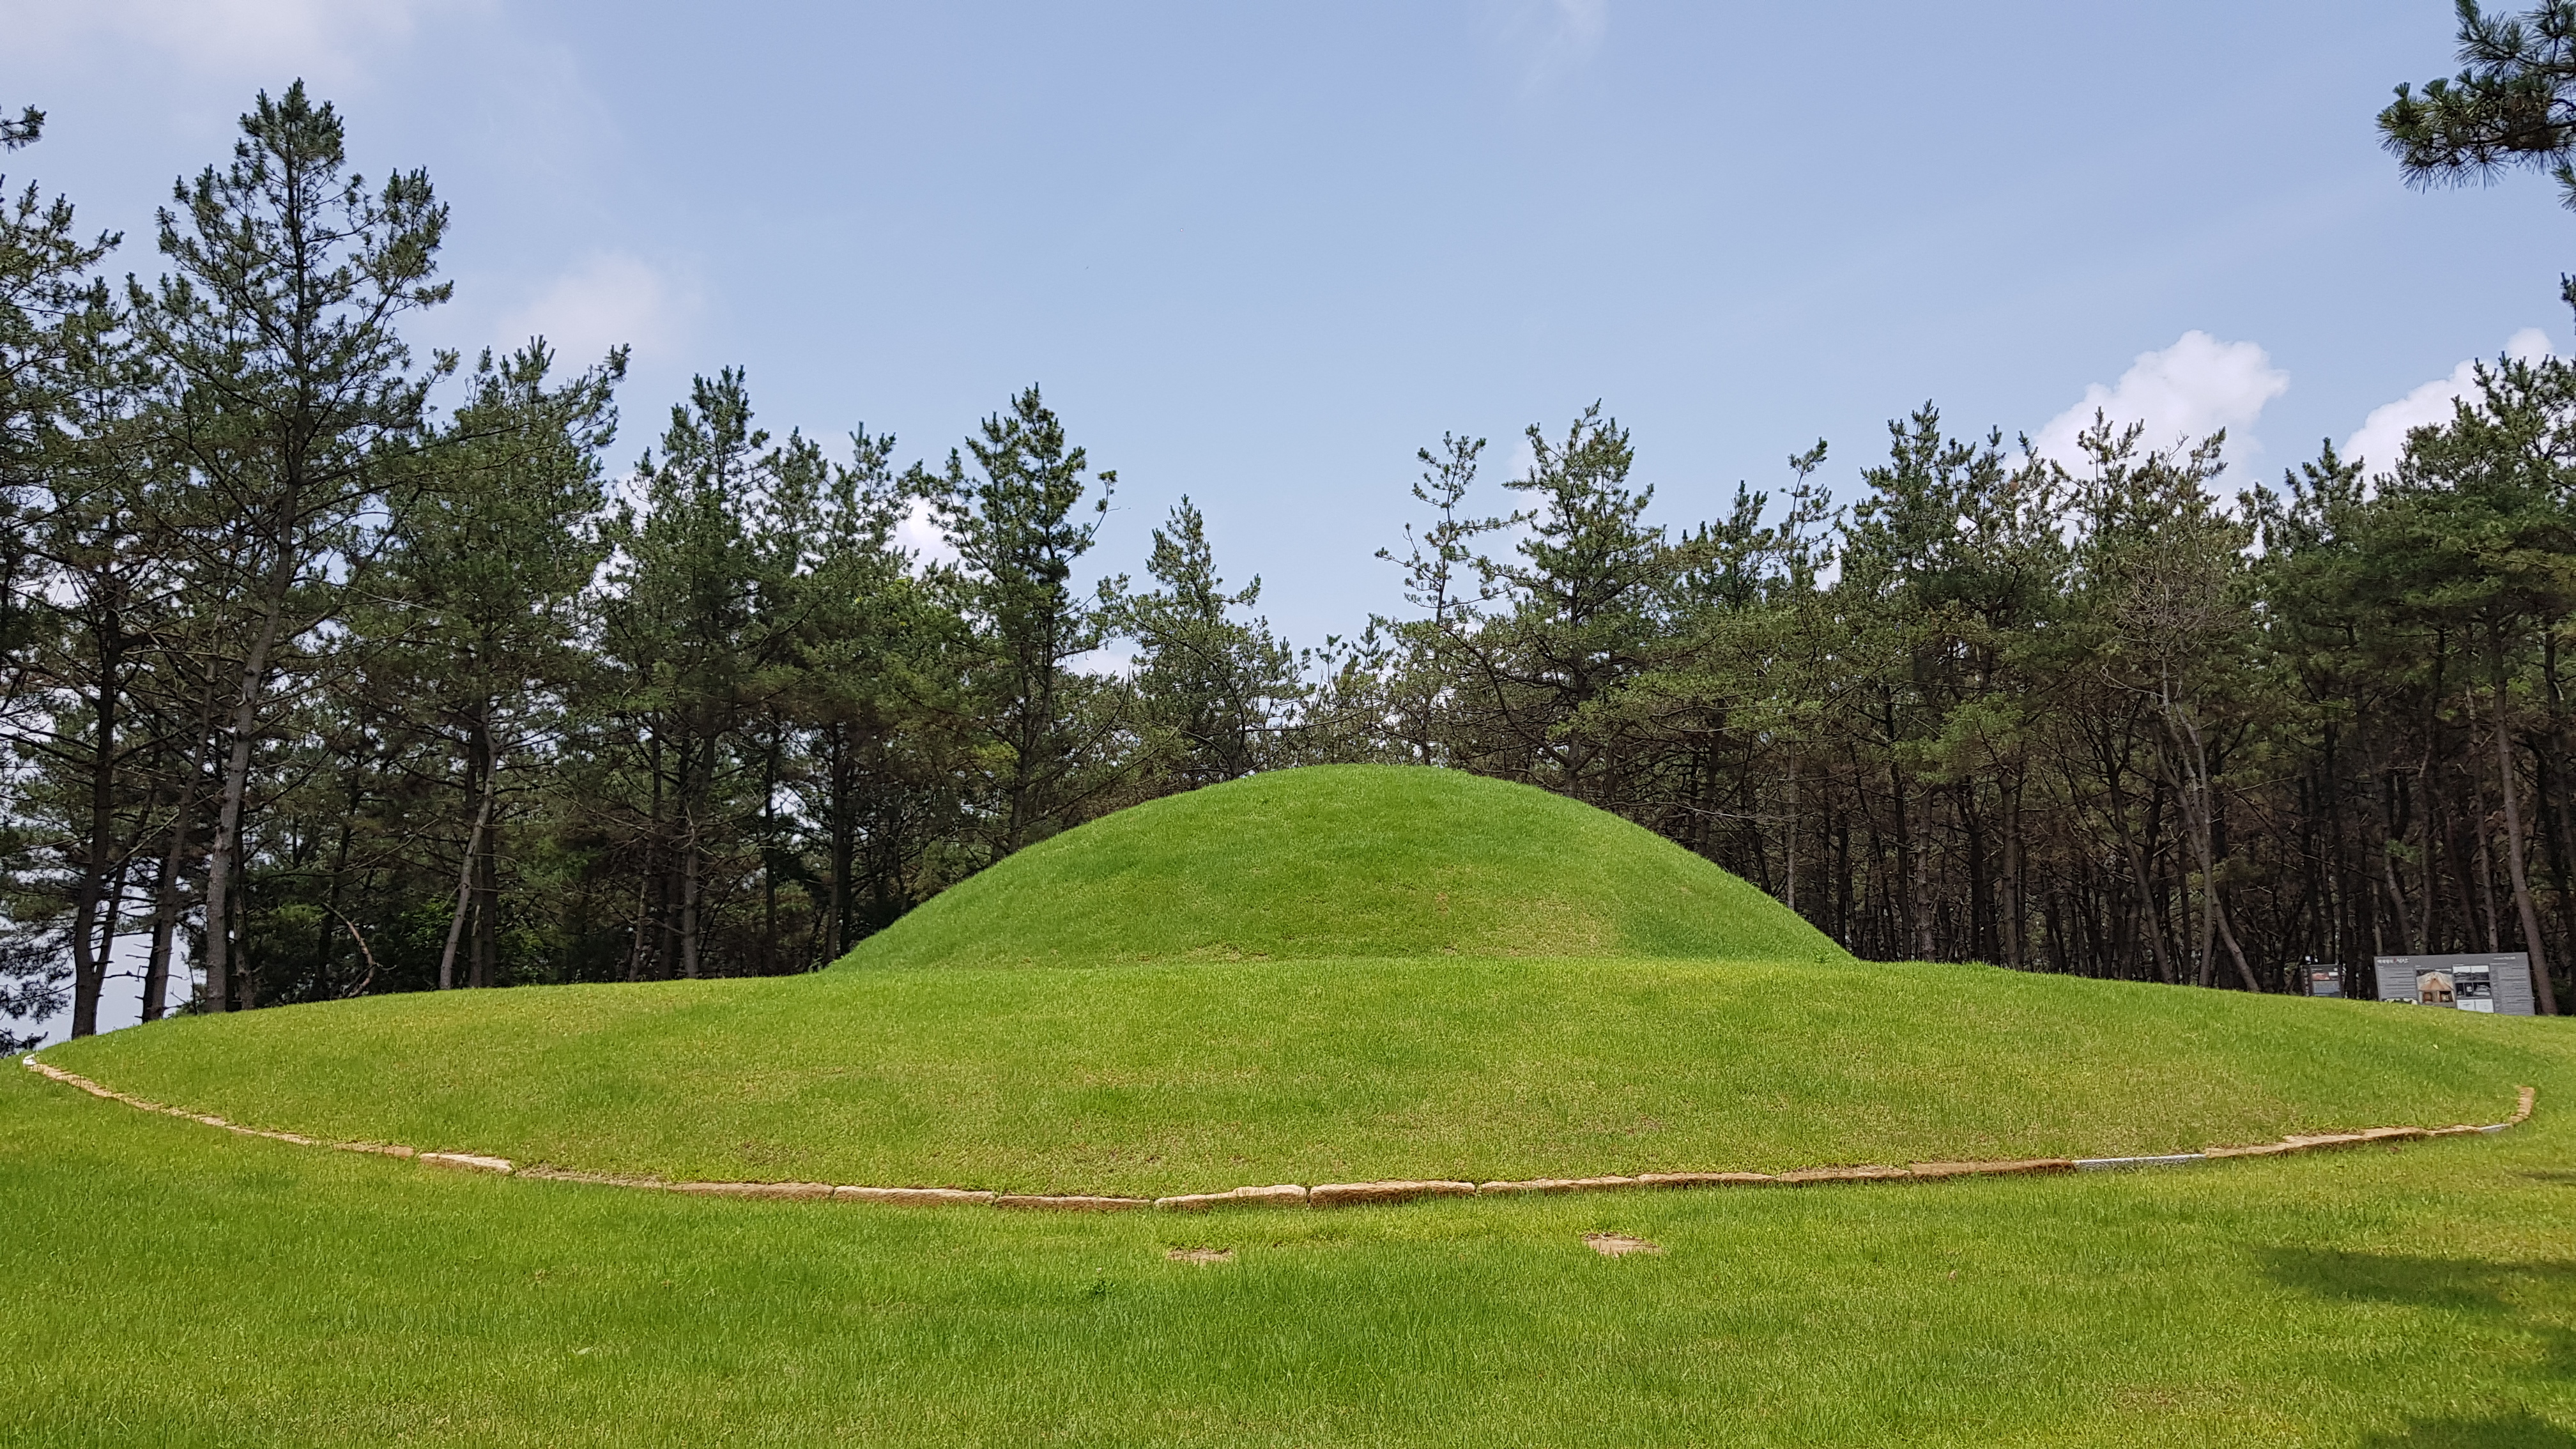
x: 1168, y: 1042
x: 1350, y: 861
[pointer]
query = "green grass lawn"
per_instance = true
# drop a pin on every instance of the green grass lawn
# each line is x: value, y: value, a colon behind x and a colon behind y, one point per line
x: 927, y: 1059
x: 1316, y: 976
x: 1156, y: 1079
x: 165, y: 1284
x: 1349, y: 860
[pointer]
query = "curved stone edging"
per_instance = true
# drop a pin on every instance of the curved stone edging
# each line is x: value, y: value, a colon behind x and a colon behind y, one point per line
x: 1324, y: 1195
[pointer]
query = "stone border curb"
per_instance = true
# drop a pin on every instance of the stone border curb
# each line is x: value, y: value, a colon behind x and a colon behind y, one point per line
x: 1286, y: 1194
x: 1557, y: 1184
x: 2524, y: 1097
x: 466, y: 1160
x: 1353, y: 1194
x: 916, y: 1196
x: 387, y: 1149
x: 1331, y: 1194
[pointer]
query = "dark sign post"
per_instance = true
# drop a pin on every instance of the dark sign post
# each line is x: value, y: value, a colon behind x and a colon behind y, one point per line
x: 2498, y: 983
x: 2322, y: 980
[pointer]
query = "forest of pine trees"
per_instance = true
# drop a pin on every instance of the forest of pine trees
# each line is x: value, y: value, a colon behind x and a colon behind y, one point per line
x: 332, y: 667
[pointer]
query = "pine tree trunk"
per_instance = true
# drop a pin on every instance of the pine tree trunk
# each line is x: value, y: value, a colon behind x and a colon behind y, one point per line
x: 689, y: 875
x: 2140, y: 877
x: 2483, y: 836
x: 693, y: 804
x: 2201, y: 824
x: 837, y: 926
x: 2009, y: 928
x: 2553, y: 808
x: 165, y: 899
x: 2430, y: 872
x: 465, y: 885
x: 89, y: 973
x: 245, y: 979
x: 2397, y: 907
x: 646, y: 954
x: 2386, y: 835
x: 170, y: 880
x: 223, y: 857
x: 487, y: 905
x: 1909, y: 868
x: 1790, y: 845
x: 156, y: 964
x: 768, y: 852
x: 2542, y: 994
x: 332, y: 920
x: 111, y: 914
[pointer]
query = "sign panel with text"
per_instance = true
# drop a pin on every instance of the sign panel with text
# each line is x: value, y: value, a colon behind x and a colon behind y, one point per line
x: 2497, y: 983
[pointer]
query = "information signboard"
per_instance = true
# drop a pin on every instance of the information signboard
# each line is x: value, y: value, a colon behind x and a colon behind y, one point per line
x: 2498, y: 983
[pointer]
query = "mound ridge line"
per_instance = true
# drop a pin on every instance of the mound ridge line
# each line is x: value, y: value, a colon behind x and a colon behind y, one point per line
x: 1323, y: 1195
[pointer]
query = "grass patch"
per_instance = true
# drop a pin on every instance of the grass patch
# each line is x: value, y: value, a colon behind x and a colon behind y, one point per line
x: 171, y: 1285
x: 1153, y: 1079
x: 1342, y: 861
x: 1256, y: 983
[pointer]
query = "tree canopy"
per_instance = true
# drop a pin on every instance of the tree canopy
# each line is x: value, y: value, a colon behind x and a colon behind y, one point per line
x: 332, y: 666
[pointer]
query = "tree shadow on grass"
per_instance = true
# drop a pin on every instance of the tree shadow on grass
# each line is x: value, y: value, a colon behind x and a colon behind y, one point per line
x: 2511, y: 1297
x: 2518, y: 1430
x: 2459, y: 1285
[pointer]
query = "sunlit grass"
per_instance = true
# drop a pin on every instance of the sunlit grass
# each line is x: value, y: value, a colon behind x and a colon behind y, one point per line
x: 1338, y: 975
x: 168, y: 1284
x: 1343, y: 861
x: 1192, y: 1077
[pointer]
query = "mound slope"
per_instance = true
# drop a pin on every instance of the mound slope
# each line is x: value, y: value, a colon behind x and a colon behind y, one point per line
x: 1173, y: 1077
x: 1343, y: 861
x: 1655, y: 1015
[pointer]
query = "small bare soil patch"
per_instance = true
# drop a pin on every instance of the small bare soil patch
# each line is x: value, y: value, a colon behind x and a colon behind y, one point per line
x: 1619, y: 1245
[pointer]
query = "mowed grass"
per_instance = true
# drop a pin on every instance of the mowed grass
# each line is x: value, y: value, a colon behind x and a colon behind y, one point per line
x: 1268, y: 992
x: 1348, y: 860
x: 1151, y: 1005
x: 1153, y: 1079
x: 170, y: 1285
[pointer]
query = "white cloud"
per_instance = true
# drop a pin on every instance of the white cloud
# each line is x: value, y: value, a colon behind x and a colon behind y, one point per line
x: 918, y: 532
x: 2187, y: 391
x: 1105, y: 663
x: 325, y: 39
x: 609, y: 299
x: 2382, y: 438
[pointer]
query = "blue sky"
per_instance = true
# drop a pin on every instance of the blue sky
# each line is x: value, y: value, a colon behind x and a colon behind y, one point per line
x: 1261, y: 253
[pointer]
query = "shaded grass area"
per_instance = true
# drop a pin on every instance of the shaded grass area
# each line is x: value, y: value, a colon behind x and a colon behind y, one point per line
x: 1151, y: 1079
x: 170, y: 1285
x: 1348, y: 860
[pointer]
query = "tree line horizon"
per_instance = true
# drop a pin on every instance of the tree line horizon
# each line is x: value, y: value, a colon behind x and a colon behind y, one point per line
x: 321, y: 689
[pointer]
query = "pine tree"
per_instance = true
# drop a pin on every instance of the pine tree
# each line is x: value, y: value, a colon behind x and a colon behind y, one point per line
x: 869, y: 674
x: 472, y: 629
x: 102, y: 541
x: 2512, y: 104
x: 2478, y: 538
x: 66, y: 389
x: 290, y: 392
x: 1579, y: 602
x: 1211, y: 689
x: 1424, y: 651
x: 686, y: 634
x: 1014, y: 521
